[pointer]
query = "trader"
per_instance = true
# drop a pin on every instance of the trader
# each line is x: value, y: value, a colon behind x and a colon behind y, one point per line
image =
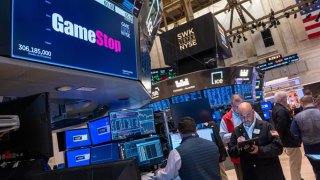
x: 228, y: 123
x: 306, y: 126
x: 282, y: 122
x: 194, y: 159
x: 259, y: 161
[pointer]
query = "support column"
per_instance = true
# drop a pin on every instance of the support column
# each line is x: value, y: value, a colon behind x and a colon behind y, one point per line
x: 187, y: 7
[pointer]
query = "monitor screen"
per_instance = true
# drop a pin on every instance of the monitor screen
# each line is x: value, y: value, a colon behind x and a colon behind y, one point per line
x: 199, y: 110
x: 147, y: 151
x: 103, y: 34
x: 187, y: 97
x: 266, y: 115
x: 78, y: 157
x: 218, y: 96
x: 105, y: 153
x: 259, y: 95
x: 77, y: 138
x: 265, y: 106
x: 203, y: 133
x: 245, y: 90
x: 100, y: 130
x: 216, y: 115
x: 33, y: 140
x: 160, y: 105
x: 130, y: 123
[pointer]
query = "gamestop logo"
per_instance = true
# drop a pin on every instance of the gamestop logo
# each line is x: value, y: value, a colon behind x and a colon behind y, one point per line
x: 83, y: 157
x: 79, y: 138
x: 77, y: 31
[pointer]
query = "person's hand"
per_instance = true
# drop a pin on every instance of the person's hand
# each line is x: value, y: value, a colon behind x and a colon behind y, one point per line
x: 240, y: 139
x: 274, y: 133
x: 256, y: 149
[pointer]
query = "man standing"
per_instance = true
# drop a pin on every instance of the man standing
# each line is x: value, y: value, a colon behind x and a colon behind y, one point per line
x: 282, y: 122
x: 194, y: 159
x: 228, y: 123
x: 306, y: 126
x: 259, y: 161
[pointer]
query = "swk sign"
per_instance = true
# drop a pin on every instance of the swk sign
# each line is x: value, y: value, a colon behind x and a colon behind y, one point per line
x: 186, y: 39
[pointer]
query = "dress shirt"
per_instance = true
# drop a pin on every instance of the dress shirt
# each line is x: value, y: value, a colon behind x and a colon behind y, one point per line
x: 171, y: 171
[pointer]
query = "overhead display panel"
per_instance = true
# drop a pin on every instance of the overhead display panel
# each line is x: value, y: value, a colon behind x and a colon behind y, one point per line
x: 95, y: 36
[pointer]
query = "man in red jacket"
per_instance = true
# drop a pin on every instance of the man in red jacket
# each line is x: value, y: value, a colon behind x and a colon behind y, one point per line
x: 228, y: 123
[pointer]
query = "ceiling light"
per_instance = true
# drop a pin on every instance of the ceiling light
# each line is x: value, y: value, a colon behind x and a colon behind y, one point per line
x: 64, y: 88
x: 88, y: 89
x: 278, y: 22
x: 287, y: 14
x: 308, y: 16
x: 244, y: 38
x: 234, y: 38
x: 238, y: 40
x: 259, y: 23
x: 252, y: 31
x: 270, y: 26
x: 295, y: 15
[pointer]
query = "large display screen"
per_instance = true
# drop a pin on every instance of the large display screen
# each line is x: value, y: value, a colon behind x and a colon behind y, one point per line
x: 218, y: 96
x: 160, y: 105
x: 245, y: 90
x: 77, y: 138
x: 95, y: 36
x: 162, y: 74
x: 131, y: 123
x: 187, y: 97
x: 100, y: 130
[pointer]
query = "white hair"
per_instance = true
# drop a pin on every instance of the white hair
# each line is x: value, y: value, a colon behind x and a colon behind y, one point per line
x: 280, y: 96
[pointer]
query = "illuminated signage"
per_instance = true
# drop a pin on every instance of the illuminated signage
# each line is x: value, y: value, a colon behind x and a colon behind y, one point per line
x: 186, y: 39
x: 155, y: 94
x: 95, y: 36
x: 244, y: 73
x: 217, y: 78
x: 182, y: 83
x: 278, y: 62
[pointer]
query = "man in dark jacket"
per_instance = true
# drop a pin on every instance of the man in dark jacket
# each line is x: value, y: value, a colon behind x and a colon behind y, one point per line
x: 282, y: 122
x: 306, y: 126
x: 194, y: 159
x: 259, y: 161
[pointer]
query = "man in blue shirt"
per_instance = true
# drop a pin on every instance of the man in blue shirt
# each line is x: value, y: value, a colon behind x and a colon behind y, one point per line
x: 306, y: 126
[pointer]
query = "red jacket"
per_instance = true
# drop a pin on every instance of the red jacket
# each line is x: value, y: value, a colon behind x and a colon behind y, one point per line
x: 227, y: 118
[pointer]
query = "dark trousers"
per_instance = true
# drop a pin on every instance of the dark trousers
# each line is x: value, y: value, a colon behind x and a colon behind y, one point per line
x: 314, y: 149
x: 316, y: 167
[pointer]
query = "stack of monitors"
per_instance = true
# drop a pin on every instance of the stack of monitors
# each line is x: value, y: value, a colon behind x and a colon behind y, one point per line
x: 187, y: 97
x: 266, y: 107
x: 218, y: 96
x: 175, y: 138
x: 77, y: 146
x: 98, y: 143
x: 245, y: 90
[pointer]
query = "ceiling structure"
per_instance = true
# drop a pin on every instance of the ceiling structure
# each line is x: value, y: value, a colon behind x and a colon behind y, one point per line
x: 174, y: 11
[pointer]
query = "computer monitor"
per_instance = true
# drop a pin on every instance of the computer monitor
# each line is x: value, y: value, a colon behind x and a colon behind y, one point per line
x: 199, y: 110
x: 216, y: 115
x: 131, y: 123
x: 207, y: 133
x: 33, y: 140
x: 77, y: 138
x: 79, y: 157
x: 266, y: 115
x: 147, y: 151
x: 265, y: 106
x: 100, y: 130
x: 105, y: 153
